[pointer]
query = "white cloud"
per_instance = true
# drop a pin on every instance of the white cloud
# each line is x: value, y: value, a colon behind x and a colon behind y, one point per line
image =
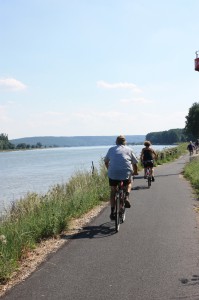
x: 12, y: 84
x: 140, y: 100
x: 119, y: 85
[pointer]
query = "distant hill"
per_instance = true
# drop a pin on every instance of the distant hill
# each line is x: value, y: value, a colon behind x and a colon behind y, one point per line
x: 76, y: 141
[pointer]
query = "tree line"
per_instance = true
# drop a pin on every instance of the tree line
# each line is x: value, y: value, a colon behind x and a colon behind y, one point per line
x: 172, y: 136
x: 5, y: 144
x: 167, y: 137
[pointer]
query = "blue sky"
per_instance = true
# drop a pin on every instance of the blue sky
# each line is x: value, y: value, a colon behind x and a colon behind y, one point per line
x: 96, y: 67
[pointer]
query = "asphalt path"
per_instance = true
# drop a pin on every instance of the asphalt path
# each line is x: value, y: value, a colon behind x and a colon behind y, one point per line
x: 155, y: 255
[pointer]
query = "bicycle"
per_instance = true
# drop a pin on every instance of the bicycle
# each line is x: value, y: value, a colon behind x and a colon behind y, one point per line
x: 149, y: 176
x: 120, y: 210
x: 148, y: 171
x: 191, y: 152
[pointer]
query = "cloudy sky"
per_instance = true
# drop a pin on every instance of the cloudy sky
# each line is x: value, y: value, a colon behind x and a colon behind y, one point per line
x: 96, y: 67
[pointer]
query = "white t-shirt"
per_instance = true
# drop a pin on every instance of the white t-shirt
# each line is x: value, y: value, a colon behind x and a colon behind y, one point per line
x: 120, y: 159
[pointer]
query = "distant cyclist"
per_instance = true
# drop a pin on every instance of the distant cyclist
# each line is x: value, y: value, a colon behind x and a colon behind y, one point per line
x: 190, y: 147
x: 120, y: 162
x: 147, y: 158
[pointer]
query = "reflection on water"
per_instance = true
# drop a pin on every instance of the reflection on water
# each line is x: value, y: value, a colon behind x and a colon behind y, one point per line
x: 38, y: 170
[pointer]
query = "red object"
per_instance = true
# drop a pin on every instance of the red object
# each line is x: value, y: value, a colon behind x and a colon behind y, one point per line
x: 197, y: 64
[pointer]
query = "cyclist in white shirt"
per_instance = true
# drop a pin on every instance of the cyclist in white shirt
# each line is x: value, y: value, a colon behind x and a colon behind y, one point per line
x: 121, y: 163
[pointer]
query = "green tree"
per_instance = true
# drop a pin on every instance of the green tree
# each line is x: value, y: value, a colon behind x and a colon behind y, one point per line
x: 4, y: 142
x: 38, y: 145
x: 192, y: 121
x: 166, y: 137
x: 21, y: 146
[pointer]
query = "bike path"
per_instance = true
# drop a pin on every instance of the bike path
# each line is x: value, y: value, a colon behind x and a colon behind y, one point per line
x: 155, y: 255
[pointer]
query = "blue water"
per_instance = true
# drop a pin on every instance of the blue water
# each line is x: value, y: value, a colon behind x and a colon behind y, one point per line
x: 39, y: 170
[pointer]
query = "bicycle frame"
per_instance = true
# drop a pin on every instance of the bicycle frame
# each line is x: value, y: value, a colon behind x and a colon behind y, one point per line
x: 120, y: 205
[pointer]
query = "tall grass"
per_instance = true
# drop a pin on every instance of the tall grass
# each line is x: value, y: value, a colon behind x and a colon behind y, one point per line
x: 191, y: 172
x: 170, y: 154
x: 36, y: 217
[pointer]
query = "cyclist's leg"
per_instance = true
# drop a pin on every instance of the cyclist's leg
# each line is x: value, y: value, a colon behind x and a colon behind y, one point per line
x: 128, y: 185
x: 112, y: 196
x: 152, y: 172
x: 113, y: 187
x: 145, y: 169
x: 128, y: 188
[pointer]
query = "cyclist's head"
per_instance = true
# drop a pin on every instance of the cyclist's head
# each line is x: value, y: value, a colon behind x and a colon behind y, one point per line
x: 121, y: 140
x: 147, y: 143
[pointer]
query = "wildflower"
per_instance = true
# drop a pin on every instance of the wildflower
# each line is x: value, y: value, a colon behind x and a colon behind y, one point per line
x: 3, y: 239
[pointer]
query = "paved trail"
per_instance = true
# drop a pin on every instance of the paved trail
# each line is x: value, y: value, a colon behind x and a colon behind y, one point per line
x: 153, y: 257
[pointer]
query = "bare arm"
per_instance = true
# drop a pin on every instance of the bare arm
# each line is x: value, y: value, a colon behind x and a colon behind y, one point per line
x: 106, y: 163
x: 155, y: 154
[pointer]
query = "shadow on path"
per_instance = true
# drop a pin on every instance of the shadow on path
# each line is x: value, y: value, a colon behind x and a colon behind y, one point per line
x: 90, y: 232
x: 143, y: 187
x: 140, y: 187
x: 166, y: 175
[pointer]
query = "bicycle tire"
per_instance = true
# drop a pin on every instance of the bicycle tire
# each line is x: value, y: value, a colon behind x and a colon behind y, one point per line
x: 117, y: 210
x: 149, y: 181
x: 122, y: 204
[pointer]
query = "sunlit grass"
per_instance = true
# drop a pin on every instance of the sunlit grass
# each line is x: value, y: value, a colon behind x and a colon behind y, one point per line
x: 191, y: 172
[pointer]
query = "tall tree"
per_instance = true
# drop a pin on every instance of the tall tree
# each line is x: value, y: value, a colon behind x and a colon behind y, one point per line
x: 192, y: 121
x: 4, y: 142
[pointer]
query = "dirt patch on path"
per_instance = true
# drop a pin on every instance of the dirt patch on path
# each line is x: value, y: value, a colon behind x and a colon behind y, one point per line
x: 35, y: 257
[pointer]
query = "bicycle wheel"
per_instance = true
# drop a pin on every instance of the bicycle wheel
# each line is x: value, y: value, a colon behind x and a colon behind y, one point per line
x: 149, y: 181
x: 117, y: 212
x: 123, y: 209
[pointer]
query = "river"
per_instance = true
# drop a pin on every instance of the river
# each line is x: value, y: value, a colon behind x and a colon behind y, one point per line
x: 39, y: 170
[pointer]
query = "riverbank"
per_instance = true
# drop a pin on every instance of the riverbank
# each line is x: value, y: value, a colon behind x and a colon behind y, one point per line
x: 36, y: 221
x: 25, y: 172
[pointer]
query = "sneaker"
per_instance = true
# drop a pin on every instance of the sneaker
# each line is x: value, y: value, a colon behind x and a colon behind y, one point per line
x: 153, y: 179
x: 112, y: 216
x: 127, y: 203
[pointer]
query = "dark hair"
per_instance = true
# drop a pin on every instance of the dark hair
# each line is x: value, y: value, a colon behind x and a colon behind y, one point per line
x: 147, y: 143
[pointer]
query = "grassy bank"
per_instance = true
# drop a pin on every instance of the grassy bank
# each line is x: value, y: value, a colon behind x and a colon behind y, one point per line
x: 191, y: 172
x: 36, y: 217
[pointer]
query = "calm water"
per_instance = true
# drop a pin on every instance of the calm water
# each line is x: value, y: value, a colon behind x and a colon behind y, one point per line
x: 39, y: 170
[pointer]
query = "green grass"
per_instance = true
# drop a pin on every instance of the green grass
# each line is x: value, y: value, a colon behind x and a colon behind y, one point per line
x: 191, y: 172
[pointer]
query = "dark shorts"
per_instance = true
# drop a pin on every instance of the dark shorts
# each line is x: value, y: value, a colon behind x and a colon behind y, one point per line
x: 148, y: 163
x: 113, y: 182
